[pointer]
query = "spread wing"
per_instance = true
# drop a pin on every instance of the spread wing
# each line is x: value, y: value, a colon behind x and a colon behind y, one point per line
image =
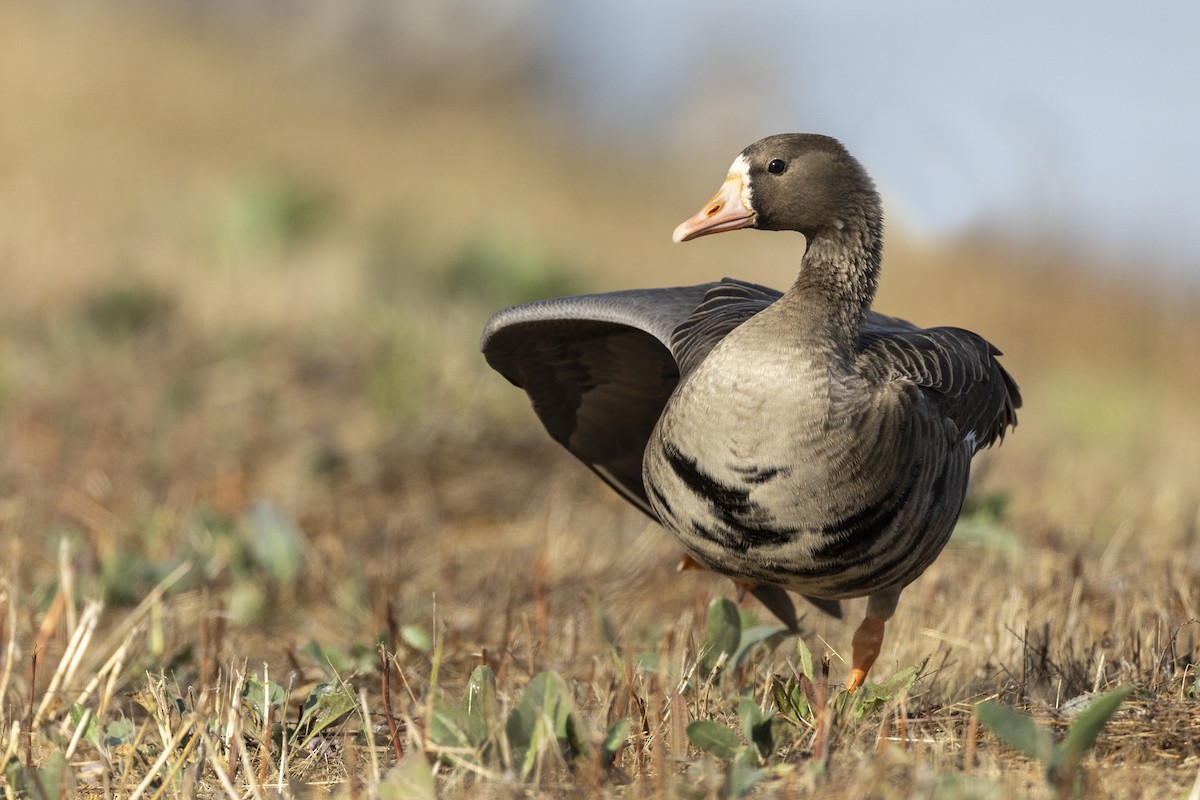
x: 957, y: 369
x: 598, y: 370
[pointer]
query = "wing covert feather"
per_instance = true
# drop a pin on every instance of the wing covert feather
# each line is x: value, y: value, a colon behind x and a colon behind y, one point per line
x: 957, y: 368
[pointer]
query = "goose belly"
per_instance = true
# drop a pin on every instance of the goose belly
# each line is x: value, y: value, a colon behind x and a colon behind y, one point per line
x: 828, y: 498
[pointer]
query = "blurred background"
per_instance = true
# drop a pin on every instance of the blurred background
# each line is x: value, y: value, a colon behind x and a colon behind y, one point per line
x: 247, y: 250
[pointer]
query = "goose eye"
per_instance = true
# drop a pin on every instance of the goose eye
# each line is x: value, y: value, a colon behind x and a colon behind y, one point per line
x: 777, y: 166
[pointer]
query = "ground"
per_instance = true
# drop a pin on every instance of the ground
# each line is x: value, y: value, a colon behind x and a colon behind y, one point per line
x: 248, y: 442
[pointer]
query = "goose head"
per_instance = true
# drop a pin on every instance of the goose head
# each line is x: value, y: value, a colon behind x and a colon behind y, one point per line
x: 793, y: 181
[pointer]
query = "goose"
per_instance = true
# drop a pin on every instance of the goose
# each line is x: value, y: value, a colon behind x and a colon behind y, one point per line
x: 791, y: 441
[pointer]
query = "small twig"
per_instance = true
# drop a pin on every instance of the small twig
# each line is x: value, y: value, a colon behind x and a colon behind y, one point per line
x: 168, y: 749
x: 218, y: 769
x: 70, y: 658
x: 205, y: 645
x: 370, y: 732
x: 385, y: 667
x: 255, y: 787
x: 131, y: 752
x: 178, y: 763
x: 882, y: 737
x: 14, y: 739
x: 233, y: 728
x: 67, y: 582
x: 822, y: 722
x: 114, y: 667
x: 972, y: 736
x: 454, y: 754
x: 265, y: 756
x: 111, y: 669
x: 10, y: 649
x: 283, y: 737
x: 84, y: 719
x: 411, y: 695
x: 353, y: 780
x: 33, y: 659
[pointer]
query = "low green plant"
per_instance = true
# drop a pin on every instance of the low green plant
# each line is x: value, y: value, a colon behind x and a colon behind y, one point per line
x: 729, y: 642
x: 410, y: 779
x: 326, y: 704
x: 542, y: 721
x: 334, y: 661
x: 1060, y: 759
x: 120, y: 731
x: 722, y: 635
x: 52, y: 780
x: 798, y: 704
x: 746, y: 764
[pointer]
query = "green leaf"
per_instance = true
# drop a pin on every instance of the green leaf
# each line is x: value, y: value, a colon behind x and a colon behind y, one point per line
x: 416, y: 637
x: 246, y: 601
x: 1017, y: 731
x: 618, y: 734
x: 743, y: 774
x: 258, y: 696
x: 872, y: 696
x: 768, y: 636
x: 53, y: 780
x: 56, y: 777
x: 722, y: 634
x: 479, y: 701
x: 1081, y: 736
x: 756, y: 727
x: 275, y: 542
x: 544, y: 712
x: 92, y: 731
x: 119, y: 732
x: 790, y: 699
x: 325, y: 705
x: 448, y: 728
x: 409, y: 779
x: 330, y: 660
x: 806, y: 658
x: 655, y: 664
x: 712, y: 737
x: 481, y: 690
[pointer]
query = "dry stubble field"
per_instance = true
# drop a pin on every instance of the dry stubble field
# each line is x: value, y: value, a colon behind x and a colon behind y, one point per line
x: 249, y: 449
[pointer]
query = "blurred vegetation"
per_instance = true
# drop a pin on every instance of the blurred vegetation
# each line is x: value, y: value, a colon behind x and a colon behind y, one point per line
x: 123, y: 311
x: 271, y: 212
x: 241, y: 404
x: 504, y: 271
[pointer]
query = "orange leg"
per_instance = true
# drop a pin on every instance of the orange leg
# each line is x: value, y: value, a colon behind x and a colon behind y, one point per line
x: 867, y: 641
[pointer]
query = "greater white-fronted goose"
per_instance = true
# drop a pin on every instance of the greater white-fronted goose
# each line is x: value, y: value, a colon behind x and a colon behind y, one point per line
x: 795, y: 440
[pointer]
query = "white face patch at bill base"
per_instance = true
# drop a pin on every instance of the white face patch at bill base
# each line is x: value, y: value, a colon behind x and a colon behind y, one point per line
x: 741, y: 169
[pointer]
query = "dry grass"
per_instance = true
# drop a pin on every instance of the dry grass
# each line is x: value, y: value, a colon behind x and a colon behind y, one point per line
x: 246, y: 433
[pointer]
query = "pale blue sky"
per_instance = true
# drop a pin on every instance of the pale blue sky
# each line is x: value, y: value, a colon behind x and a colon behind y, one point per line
x: 1077, y: 122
